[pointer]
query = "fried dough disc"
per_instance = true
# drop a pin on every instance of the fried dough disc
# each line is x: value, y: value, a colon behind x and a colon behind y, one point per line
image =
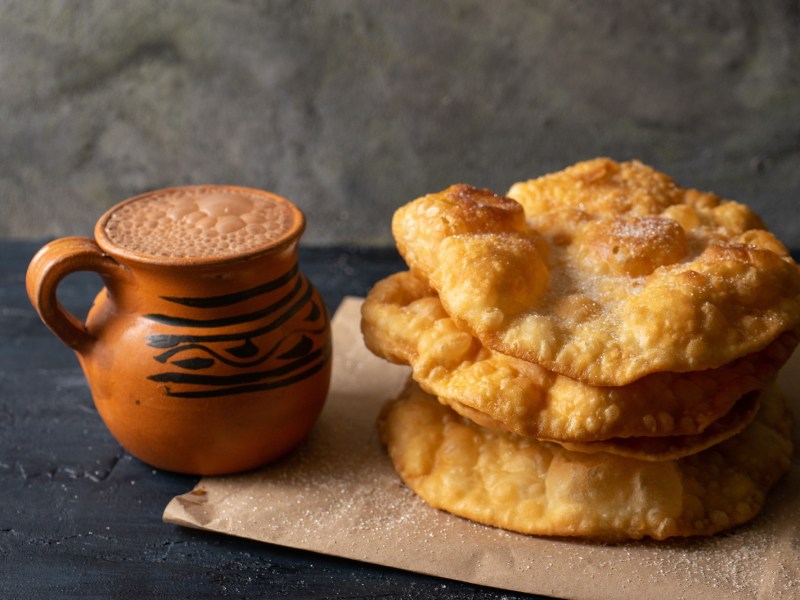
x: 617, y: 273
x: 403, y: 321
x: 678, y: 446
x: 460, y: 209
x: 513, y: 482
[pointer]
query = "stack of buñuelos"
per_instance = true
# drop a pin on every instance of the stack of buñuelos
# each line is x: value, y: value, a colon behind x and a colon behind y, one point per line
x: 602, y: 344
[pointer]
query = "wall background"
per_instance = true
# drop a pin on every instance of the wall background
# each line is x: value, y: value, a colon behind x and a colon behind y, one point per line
x: 351, y: 108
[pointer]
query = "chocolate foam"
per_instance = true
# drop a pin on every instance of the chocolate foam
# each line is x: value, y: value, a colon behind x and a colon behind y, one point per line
x: 201, y: 222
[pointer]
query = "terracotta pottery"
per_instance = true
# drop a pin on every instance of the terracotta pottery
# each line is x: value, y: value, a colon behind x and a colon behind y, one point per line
x: 207, y: 351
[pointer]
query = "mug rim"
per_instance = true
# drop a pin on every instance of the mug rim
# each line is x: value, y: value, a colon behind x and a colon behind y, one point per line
x: 290, y: 236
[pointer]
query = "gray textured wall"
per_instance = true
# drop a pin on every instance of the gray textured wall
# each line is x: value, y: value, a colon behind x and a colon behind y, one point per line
x: 351, y: 108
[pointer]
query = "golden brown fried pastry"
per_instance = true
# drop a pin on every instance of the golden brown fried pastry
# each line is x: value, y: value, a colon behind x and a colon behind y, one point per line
x: 617, y: 273
x: 513, y: 482
x: 460, y: 209
x: 677, y: 446
x: 403, y: 321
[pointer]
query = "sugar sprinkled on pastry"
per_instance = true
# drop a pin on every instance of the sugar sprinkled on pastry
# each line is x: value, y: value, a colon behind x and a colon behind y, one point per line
x: 615, y: 272
x: 591, y: 355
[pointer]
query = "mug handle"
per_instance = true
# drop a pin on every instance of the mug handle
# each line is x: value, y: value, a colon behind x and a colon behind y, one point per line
x: 48, y: 267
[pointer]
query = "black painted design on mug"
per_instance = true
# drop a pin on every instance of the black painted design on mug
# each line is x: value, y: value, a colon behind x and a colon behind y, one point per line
x: 170, y: 341
x: 236, y: 297
x: 253, y: 360
x: 227, y: 321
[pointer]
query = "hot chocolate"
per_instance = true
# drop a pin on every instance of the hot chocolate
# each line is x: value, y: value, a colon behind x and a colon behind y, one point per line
x: 201, y: 222
x: 207, y: 351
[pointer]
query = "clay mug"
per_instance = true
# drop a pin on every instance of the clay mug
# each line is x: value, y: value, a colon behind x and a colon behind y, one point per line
x: 207, y: 351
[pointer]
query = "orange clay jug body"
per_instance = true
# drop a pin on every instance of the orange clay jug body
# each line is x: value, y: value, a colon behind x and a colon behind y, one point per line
x: 207, y: 351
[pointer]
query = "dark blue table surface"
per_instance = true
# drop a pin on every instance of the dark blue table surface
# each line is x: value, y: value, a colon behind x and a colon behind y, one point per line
x: 79, y: 517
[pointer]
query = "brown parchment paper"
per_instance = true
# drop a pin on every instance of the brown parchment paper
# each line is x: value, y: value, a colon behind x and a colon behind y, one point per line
x: 338, y: 494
